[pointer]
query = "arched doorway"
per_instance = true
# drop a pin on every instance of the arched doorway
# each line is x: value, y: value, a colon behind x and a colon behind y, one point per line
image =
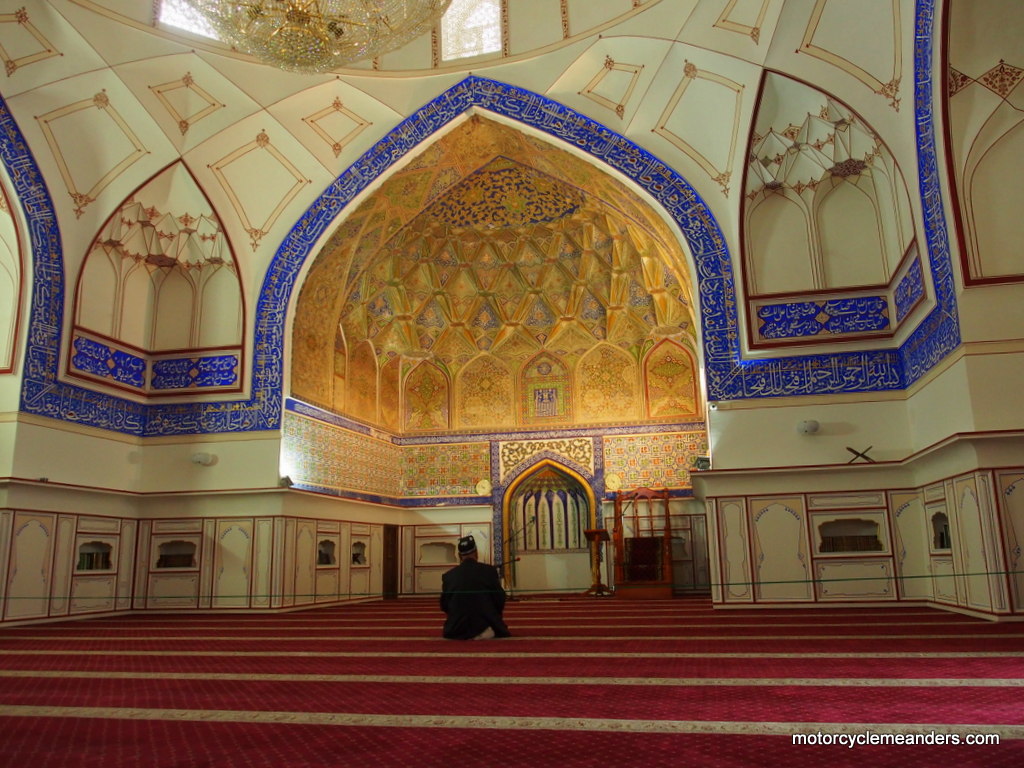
x: 544, y: 514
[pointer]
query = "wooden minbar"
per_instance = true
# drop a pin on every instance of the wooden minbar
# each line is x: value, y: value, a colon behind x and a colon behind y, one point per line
x: 642, y: 535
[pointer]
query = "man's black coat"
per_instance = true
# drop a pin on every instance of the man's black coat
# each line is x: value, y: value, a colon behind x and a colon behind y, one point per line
x: 472, y: 596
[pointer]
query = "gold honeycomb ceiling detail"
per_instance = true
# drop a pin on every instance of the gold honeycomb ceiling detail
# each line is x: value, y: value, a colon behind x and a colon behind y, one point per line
x: 492, y: 240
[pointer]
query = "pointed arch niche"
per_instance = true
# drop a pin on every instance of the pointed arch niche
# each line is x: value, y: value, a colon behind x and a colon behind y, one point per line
x: 544, y: 514
x: 159, y: 308
x: 497, y: 281
x: 829, y: 249
x: 670, y: 382
x: 10, y: 284
x: 984, y: 127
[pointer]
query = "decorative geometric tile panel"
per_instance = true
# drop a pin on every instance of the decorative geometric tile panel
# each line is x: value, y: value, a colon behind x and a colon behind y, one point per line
x: 546, y: 392
x: 728, y: 375
x: 325, y: 456
x: 445, y: 469
x: 656, y: 461
x: 514, y: 453
x: 670, y: 381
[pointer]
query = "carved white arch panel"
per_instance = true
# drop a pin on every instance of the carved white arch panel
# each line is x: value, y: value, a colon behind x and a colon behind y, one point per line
x: 134, y: 323
x: 159, y: 305
x: 220, y: 315
x: 175, y: 308
x: 100, y: 279
x: 984, y: 112
x: 9, y: 315
x: 826, y: 219
x: 848, y: 232
x: 779, y: 247
x: 996, y: 227
x: 10, y: 287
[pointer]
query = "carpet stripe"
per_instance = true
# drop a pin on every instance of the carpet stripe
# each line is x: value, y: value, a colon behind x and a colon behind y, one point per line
x: 566, y: 666
x: 431, y: 625
x: 613, y: 725
x: 884, y: 682
x: 458, y: 654
x: 562, y: 638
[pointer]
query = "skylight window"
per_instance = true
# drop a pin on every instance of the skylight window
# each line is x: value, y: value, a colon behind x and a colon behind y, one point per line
x: 471, y: 28
x: 174, y: 13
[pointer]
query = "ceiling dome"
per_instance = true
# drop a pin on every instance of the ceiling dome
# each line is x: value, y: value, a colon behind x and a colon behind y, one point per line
x: 512, y: 260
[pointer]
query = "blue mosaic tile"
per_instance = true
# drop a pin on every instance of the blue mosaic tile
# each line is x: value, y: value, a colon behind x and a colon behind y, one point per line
x: 784, y: 321
x: 834, y: 316
x: 909, y: 291
x: 108, y: 362
x: 195, y: 372
x: 728, y: 375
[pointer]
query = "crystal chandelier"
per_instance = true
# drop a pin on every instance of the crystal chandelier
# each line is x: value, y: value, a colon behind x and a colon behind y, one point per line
x: 317, y: 35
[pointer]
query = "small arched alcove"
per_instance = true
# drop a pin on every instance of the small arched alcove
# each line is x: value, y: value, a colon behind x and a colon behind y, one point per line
x: 940, y: 531
x: 545, y: 512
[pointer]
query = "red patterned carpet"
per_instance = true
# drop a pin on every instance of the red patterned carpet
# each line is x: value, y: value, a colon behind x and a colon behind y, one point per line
x: 584, y: 681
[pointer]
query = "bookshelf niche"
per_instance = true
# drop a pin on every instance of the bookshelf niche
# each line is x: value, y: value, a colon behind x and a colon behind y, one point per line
x: 94, y: 556
x: 437, y: 553
x: 359, y: 553
x: 177, y: 554
x: 940, y: 531
x: 849, y: 535
x: 325, y: 553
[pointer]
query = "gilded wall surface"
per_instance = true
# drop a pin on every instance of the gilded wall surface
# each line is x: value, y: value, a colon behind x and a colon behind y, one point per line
x: 498, y: 283
x: 333, y: 457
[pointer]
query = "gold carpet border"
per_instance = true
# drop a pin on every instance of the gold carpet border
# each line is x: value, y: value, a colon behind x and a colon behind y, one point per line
x: 736, y: 682
x: 608, y: 725
x: 514, y: 639
x: 504, y: 654
x: 518, y: 621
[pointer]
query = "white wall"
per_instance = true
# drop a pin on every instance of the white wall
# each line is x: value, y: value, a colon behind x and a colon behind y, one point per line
x: 742, y: 436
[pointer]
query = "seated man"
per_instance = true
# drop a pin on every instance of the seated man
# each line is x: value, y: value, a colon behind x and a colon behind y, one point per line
x: 472, y: 596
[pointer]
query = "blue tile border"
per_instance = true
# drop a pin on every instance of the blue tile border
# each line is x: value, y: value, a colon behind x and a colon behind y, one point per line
x: 194, y: 372
x: 728, y: 376
x: 824, y: 317
x: 105, y: 361
x: 909, y: 291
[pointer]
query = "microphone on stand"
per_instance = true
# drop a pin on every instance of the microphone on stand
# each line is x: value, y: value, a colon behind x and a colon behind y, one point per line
x: 506, y: 546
